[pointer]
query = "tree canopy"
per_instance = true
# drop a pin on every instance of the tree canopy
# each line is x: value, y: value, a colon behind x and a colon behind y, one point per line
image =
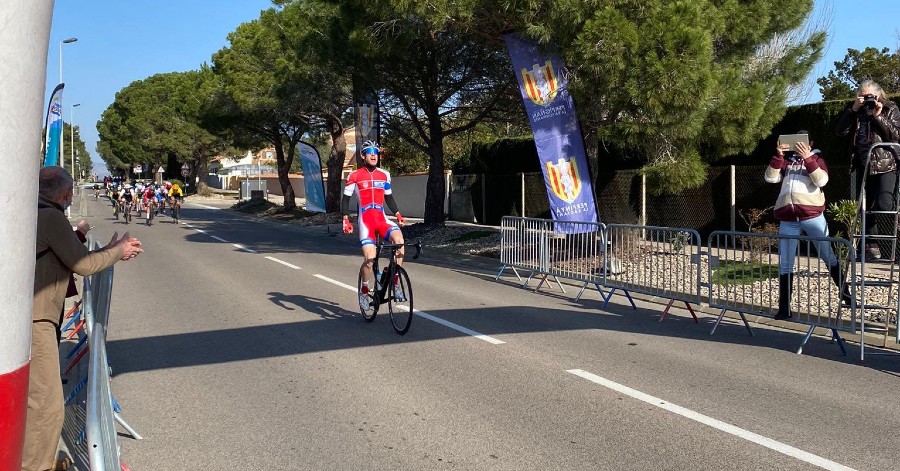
x: 674, y: 84
x: 879, y: 65
x: 158, y: 119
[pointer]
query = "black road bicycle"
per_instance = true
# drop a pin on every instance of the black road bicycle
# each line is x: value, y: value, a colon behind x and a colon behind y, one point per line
x: 151, y: 210
x: 393, y: 287
x: 175, y: 204
x: 126, y: 211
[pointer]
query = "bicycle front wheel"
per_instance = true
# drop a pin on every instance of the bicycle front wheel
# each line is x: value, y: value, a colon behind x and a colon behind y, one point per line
x: 368, y: 302
x: 400, y: 301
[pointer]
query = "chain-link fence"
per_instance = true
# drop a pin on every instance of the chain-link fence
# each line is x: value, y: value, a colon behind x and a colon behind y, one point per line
x: 622, y: 199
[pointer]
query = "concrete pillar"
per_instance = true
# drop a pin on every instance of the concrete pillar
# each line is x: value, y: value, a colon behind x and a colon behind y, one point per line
x: 24, y: 38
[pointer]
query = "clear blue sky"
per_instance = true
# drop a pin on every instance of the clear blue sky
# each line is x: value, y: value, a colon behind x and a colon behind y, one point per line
x: 123, y: 41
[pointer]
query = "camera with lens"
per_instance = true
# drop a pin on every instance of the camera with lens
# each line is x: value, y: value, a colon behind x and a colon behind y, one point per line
x: 869, y: 101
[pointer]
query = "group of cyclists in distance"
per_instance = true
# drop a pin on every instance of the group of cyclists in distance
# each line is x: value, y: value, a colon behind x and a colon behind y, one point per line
x: 149, y: 198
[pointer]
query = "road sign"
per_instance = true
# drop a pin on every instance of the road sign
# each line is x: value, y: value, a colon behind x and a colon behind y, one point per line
x: 138, y: 169
x: 160, y: 170
x: 185, y: 172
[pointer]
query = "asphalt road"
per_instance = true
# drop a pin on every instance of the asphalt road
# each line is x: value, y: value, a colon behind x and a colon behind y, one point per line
x: 254, y: 356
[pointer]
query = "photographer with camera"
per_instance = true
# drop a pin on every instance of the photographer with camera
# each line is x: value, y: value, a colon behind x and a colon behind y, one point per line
x: 871, y: 119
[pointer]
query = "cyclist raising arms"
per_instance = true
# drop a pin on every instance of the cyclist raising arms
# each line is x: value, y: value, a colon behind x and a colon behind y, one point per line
x: 372, y: 186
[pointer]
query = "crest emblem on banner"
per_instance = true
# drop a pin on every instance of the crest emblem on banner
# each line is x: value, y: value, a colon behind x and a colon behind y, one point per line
x: 564, y: 180
x: 540, y: 83
x: 364, y: 118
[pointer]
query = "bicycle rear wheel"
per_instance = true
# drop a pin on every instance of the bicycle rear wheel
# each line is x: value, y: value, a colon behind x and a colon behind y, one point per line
x: 400, y: 301
x: 370, y: 309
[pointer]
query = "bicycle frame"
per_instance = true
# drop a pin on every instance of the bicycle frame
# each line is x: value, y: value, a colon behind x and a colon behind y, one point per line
x: 382, y: 292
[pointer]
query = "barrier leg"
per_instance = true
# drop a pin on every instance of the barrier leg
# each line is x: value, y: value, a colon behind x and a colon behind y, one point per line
x: 73, y: 320
x: 75, y: 332
x: 837, y: 337
x: 693, y: 314
x: 528, y: 280
x: 503, y: 267
x: 581, y: 291
x: 686, y: 304
x: 746, y: 324
x: 78, y: 345
x: 805, y: 339
x: 559, y: 283
x: 76, y: 360
x: 72, y: 310
x: 666, y: 310
x: 127, y: 427
x: 78, y: 387
x: 599, y: 290
x: 540, y: 283
x: 517, y: 273
x: 718, y: 320
x: 625, y: 292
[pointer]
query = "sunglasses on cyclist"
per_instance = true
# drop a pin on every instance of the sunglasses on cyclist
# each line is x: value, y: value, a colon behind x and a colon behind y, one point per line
x: 370, y: 151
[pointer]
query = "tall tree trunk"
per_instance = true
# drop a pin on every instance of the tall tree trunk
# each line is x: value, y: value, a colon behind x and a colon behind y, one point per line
x: 202, y: 172
x: 283, y: 178
x: 335, y: 164
x: 435, y: 188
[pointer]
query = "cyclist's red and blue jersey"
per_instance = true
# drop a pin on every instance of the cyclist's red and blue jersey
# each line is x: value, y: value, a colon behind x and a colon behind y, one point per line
x: 370, y: 188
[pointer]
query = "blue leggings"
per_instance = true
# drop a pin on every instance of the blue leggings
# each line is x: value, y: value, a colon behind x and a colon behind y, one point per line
x: 787, y: 248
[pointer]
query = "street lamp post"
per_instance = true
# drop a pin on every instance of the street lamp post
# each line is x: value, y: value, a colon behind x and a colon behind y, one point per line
x: 62, y: 155
x: 72, y: 141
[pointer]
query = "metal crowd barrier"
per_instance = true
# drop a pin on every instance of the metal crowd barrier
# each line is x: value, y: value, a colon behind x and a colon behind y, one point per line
x: 657, y: 261
x: 526, y: 244
x: 98, y: 433
x: 742, y: 274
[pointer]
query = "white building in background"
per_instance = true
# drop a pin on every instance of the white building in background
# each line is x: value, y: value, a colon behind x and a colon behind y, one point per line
x: 263, y: 162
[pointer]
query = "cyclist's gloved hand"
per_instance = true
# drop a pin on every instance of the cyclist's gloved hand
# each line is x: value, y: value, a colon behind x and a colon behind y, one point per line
x: 400, y: 219
x: 348, y: 228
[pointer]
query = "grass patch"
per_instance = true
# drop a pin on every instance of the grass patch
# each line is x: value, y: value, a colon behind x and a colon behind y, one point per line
x: 743, y: 273
x: 472, y: 236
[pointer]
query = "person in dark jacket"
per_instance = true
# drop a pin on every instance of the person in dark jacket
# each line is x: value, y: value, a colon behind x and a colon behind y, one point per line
x: 872, y: 119
x: 800, y: 206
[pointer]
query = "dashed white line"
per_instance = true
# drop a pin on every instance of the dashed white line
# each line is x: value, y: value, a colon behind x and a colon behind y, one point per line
x: 335, y: 282
x: 714, y: 423
x: 245, y: 249
x: 219, y: 239
x: 289, y: 265
x: 203, y: 206
x: 425, y: 315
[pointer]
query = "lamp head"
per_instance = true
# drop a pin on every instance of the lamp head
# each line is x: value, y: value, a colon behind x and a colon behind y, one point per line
x: 69, y: 41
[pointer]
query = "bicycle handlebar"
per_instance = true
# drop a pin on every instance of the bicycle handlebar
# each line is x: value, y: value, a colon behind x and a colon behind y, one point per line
x: 417, y: 244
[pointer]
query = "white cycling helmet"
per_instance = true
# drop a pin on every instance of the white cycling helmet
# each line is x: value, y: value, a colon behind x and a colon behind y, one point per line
x: 370, y: 147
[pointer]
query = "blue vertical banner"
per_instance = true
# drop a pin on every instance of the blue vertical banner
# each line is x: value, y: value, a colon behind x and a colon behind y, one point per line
x: 53, y: 128
x: 312, y: 177
x: 557, y: 134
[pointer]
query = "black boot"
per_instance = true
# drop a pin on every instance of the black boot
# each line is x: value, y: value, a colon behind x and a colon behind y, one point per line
x: 838, y: 279
x: 785, y: 282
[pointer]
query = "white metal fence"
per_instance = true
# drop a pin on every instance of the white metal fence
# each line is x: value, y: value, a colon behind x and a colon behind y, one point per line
x: 737, y: 271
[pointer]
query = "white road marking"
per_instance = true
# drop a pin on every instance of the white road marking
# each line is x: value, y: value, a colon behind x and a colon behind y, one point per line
x: 289, y: 265
x: 203, y: 206
x: 424, y: 315
x: 219, y: 239
x: 245, y: 249
x: 335, y: 282
x: 783, y: 448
